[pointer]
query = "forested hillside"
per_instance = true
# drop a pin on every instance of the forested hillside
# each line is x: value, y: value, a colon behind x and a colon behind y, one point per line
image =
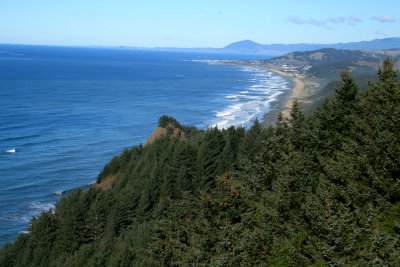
x: 319, y: 190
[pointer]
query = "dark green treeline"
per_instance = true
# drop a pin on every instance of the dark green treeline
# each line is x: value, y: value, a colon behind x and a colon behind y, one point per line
x: 320, y: 189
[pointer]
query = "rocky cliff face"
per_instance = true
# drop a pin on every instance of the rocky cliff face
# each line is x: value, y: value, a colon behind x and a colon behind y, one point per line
x: 170, y: 130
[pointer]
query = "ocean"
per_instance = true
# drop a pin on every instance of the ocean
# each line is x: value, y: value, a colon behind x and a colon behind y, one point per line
x: 66, y: 111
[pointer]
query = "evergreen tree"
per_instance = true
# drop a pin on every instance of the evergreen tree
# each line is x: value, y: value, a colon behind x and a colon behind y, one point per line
x: 209, y: 158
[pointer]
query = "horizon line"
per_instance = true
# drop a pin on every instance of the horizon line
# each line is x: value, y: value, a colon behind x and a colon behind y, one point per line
x: 177, y: 47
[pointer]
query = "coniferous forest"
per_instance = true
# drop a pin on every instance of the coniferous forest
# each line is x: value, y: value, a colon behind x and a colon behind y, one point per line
x: 319, y: 189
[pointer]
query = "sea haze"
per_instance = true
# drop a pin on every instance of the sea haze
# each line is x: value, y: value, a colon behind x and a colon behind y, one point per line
x: 67, y: 111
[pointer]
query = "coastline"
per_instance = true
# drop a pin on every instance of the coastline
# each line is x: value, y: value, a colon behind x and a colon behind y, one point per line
x: 285, y: 100
x: 297, y: 92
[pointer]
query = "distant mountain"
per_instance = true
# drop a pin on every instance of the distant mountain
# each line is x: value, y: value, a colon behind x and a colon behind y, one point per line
x: 246, y: 47
x: 250, y: 47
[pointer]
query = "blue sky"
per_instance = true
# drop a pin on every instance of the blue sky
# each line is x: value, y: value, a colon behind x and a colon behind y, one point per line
x: 201, y: 23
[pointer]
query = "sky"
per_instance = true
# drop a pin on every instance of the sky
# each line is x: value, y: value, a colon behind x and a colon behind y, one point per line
x: 200, y: 23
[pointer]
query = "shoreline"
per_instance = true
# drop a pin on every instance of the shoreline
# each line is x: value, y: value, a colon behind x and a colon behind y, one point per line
x: 285, y: 100
x: 297, y: 91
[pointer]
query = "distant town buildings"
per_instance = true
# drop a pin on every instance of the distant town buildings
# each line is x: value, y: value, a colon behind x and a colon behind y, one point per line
x: 287, y: 68
x: 295, y: 69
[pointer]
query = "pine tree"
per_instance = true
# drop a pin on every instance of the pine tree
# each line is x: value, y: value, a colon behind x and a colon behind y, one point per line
x: 346, y: 91
x: 381, y: 110
x: 209, y: 157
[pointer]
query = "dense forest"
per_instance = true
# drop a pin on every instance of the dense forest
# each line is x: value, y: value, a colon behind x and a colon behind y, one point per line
x: 320, y: 189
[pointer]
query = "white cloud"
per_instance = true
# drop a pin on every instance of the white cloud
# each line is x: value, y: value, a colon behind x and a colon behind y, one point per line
x: 350, y: 20
x: 354, y: 18
x: 300, y: 21
x: 337, y: 20
x: 386, y: 18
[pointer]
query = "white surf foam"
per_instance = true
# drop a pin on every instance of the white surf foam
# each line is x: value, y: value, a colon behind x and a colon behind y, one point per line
x: 243, y: 108
x: 39, y: 206
x: 16, y: 218
x: 231, y: 96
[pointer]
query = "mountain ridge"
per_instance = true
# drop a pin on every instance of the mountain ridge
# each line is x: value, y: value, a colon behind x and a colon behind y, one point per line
x: 276, y: 49
x: 250, y: 47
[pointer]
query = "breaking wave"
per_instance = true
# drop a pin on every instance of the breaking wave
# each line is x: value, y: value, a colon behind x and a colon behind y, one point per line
x: 251, y: 102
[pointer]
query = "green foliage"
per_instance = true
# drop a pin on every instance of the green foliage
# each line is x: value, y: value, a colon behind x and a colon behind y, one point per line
x: 320, y: 189
x: 166, y: 121
x: 346, y: 90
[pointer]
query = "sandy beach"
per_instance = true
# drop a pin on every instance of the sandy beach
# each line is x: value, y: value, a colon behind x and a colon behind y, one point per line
x: 301, y: 87
x: 298, y: 93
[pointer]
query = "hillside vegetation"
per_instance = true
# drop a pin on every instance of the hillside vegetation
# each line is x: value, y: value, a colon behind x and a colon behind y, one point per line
x: 322, y: 68
x: 327, y: 63
x: 314, y: 190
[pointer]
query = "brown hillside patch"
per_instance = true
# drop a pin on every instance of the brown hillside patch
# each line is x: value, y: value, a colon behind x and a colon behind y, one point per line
x: 157, y: 133
x: 371, y: 64
x: 106, y: 183
x: 179, y: 133
x: 161, y: 131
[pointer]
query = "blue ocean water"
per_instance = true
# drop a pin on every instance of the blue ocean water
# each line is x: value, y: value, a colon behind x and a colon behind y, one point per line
x: 68, y: 110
